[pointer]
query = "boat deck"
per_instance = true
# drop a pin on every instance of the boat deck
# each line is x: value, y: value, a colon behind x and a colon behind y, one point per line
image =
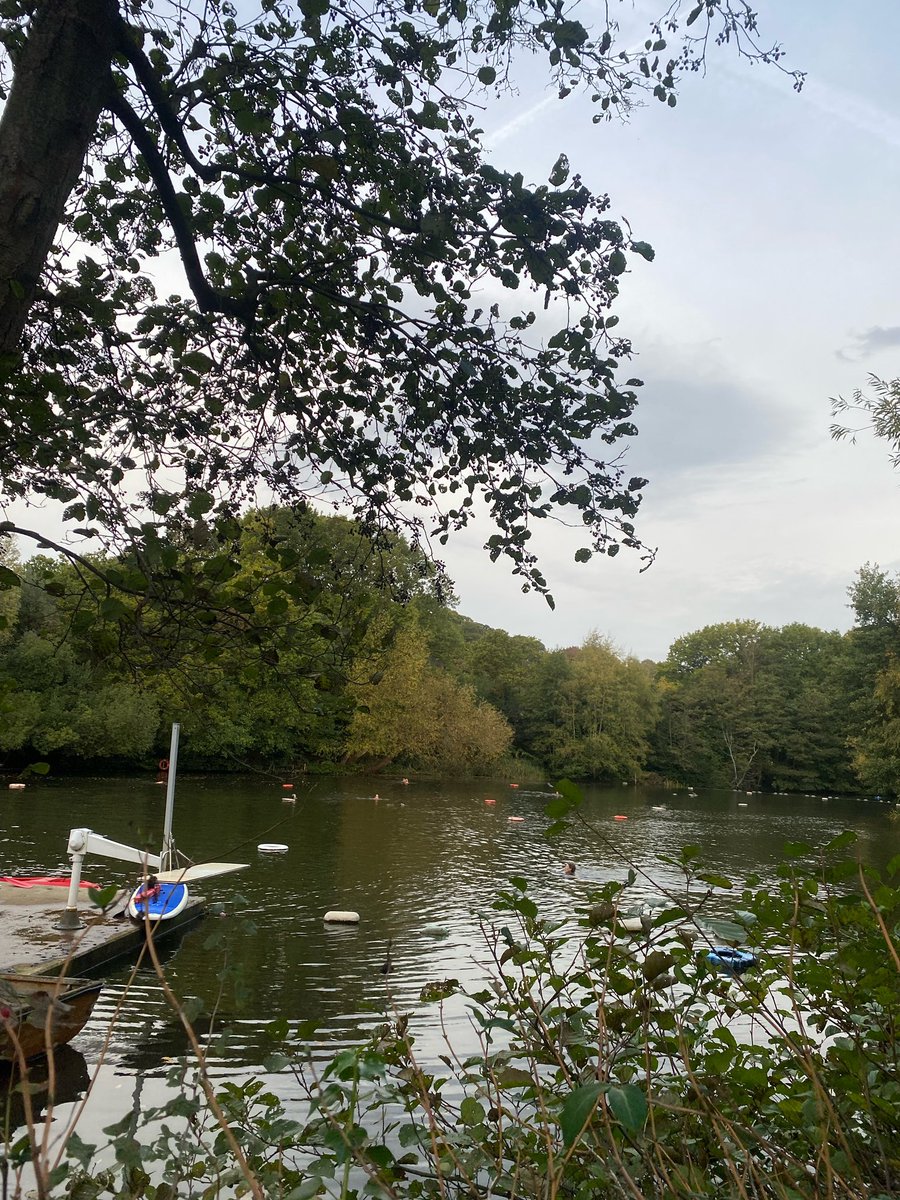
x: 30, y: 943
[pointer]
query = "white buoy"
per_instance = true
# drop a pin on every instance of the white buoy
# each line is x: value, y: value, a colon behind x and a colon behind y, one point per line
x: 272, y: 848
x: 634, y: 924
x: 338, y: 916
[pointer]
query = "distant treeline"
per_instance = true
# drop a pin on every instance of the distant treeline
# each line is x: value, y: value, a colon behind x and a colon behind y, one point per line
x: 311, y: 643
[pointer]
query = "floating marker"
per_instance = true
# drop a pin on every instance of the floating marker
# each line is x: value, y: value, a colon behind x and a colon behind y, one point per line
x: 515, y: 818
x: 272, y: 848
x: 620, y: 817
x: 339, y: 916
x: 513, y: 785
x: 490, y: 801
x: 632, y: 924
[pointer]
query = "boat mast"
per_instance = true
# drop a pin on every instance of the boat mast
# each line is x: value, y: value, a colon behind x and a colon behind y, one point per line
x: 167, y: 854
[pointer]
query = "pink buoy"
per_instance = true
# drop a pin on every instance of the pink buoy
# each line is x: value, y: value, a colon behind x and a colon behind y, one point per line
x: 490, y: 801
x: 515, y: 818
x: 620, y: 817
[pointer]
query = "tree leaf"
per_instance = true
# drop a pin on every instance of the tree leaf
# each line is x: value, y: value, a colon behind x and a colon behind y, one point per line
x: 577, y: 1109
x: 628, y: 1105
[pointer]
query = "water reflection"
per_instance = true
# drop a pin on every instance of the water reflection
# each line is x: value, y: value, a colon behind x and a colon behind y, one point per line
x: 70, y: 1080
x: 421, y: 866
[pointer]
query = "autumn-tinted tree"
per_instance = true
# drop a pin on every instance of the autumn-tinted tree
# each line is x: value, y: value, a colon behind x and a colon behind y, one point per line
x: 410, y: 712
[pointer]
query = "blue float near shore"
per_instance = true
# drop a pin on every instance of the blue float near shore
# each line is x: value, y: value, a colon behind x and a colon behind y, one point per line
x: 728, y: 958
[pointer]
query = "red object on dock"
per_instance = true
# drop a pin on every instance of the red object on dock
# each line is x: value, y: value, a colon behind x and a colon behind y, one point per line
x: 27, y: 881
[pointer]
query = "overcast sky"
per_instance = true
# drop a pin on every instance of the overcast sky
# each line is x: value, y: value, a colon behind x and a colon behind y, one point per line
x: 775, y: 286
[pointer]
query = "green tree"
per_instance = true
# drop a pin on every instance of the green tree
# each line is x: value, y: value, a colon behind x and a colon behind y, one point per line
x: 354, y: 319
x: 878, y: 414
x: 802, y: 699
x: 60, y: 706
x: 599, y: 719
x: 500, y: 667
x: 714, y: 735
x: 747, y: 705
x: 10, y: 570
x: 871, y: 678
x: 288, y: 702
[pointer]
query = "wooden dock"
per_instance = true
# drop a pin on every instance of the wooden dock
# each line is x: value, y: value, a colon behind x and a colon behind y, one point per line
x: 31, y: 942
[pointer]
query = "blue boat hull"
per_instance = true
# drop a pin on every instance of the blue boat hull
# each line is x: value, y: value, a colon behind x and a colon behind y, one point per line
x: 726, y: 958
x: 166, y: 901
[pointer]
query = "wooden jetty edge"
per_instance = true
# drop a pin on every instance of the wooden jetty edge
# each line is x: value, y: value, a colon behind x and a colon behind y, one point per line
x: 32, y: 943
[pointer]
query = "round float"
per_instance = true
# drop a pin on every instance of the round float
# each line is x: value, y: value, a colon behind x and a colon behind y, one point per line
x: 272, y: 848
x: 338, y: 916
x: 515, y: 818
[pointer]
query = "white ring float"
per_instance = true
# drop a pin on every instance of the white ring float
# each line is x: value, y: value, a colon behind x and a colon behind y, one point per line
x: 272, y: 848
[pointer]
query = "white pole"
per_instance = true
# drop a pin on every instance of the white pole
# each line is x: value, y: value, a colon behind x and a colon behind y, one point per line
x: 168, y: 846
x: 70, y: 918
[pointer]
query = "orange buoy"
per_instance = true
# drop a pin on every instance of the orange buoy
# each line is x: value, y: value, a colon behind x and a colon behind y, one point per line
x: 513, y: 785
x: 287, y: 785
x: 620, y: 817
x: 490, y: 801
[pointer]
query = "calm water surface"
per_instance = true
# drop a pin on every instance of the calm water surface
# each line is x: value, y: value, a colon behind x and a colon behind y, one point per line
x: 420, y: 865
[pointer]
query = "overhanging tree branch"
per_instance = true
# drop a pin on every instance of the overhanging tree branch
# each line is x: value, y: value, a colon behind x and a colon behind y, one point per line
x: 208, y: 299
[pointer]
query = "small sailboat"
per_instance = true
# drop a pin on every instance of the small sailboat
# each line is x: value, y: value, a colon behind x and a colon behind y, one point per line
x: 162, y: 892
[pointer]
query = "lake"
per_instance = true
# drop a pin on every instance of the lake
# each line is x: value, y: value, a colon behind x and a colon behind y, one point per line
x: 420, y: 865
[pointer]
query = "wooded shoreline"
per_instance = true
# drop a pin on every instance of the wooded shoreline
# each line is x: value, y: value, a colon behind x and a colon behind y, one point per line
x: 353, y: 658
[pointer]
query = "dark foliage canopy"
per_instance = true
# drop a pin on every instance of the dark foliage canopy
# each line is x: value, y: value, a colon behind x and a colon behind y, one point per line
x: 255, y: 252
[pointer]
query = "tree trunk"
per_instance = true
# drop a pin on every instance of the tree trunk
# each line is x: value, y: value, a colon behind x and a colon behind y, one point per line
x: 62, y: 78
